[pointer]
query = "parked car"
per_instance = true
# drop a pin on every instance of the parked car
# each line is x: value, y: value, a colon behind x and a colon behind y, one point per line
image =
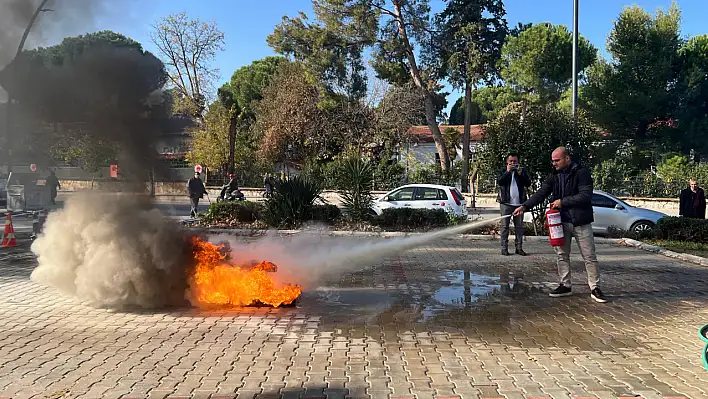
x: 612, y: 211
x: 423, y: 196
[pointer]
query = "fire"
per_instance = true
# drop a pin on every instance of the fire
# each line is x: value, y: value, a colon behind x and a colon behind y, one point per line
x: 214, y: 282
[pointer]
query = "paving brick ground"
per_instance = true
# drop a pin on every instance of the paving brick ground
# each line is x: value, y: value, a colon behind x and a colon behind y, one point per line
x: 449, y: 320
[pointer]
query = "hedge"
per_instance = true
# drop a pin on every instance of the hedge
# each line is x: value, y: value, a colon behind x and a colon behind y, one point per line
x: 408, y: 218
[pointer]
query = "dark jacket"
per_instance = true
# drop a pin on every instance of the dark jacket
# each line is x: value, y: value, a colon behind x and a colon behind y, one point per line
x: 576, y: 196
x: 692, y: 205
x: 196, y: 188
x: 504, y: 182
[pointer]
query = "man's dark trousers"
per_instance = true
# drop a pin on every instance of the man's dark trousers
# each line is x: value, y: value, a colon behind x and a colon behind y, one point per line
x: 504, y: 227
x: 195, y: 203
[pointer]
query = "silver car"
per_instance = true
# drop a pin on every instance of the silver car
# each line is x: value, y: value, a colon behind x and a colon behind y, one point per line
x: 611, y: 211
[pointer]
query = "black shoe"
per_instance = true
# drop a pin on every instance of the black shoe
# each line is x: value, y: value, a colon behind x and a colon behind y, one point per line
x: 520, y: 251
x: 598, y: 296
x: 505, y: 252
x: 562, y: 290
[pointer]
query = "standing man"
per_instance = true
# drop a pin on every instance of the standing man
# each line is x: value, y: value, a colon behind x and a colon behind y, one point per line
x: 196, y: 190
x: 692, y: 201
x: 512, y: 193
x: 53, y: 184
x: 570, y: 188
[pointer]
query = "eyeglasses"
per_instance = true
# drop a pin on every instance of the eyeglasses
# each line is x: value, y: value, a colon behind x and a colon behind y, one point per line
x: 555, y: 160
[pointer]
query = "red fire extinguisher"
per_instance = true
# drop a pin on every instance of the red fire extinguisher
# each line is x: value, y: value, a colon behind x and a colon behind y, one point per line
x: 555, y: 227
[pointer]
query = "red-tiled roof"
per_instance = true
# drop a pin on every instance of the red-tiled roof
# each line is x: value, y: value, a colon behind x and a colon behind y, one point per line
x: 422, y: 133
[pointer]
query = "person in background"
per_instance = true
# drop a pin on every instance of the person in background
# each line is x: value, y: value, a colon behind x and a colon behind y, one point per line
x: 692, y: 201
x: 196, y: 190
x: 513, y: 183
x: 53, y: 184
x: 570, y: 190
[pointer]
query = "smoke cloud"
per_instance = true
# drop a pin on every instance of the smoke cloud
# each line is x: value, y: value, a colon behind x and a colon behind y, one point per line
x: 115, y: 251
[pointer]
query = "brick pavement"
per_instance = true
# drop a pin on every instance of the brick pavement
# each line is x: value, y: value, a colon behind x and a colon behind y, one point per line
x: 449, y: 320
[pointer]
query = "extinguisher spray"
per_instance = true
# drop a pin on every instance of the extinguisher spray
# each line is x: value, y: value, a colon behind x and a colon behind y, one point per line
x: 555, y: 227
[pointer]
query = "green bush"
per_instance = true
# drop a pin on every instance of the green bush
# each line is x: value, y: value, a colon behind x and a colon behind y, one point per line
x: 357, y: 176
x: 682, y: 229
x: 325, y: 213
x: 292, y: 201
x: 388, y: 175
x: 233, y: 211
x: 407, y: 218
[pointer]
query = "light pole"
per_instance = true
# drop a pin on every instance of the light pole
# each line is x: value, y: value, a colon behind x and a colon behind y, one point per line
x: 575, y: 58
x: 8, y: 117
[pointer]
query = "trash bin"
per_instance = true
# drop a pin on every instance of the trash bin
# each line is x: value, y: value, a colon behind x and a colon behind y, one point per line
x: 26, y: 192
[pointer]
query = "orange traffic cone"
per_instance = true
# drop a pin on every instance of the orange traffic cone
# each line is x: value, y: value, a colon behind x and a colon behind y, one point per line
x: 8, y: 237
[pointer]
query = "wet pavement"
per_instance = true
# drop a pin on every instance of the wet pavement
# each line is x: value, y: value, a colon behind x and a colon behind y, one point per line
x: 448, y: 320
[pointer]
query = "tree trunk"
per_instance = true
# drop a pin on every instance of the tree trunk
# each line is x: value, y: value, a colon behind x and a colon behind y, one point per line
x: 466, y: 139
x: 418, y: 81
x: 232, y: 145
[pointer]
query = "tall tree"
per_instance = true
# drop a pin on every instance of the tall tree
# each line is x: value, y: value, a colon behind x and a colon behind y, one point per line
x: 188, y: 47
x: 241, y: 94
x: 487, y: 102
x: 539, y: 60
x: 468, y: 44
x: 692, y: 85
x: 97, y: 95
x: 392, y: 27
x: 636, y: 87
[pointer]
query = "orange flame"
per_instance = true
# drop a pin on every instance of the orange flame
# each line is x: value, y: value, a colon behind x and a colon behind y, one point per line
x: 214, y: 282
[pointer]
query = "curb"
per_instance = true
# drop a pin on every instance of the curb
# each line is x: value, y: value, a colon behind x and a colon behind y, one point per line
x: 663, y: 251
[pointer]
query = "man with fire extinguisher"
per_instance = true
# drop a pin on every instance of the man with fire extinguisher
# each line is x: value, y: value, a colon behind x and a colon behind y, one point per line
x: 570, y: 190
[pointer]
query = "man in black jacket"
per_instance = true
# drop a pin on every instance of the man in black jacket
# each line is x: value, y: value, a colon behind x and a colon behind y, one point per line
x: 570, y: 188
x: 692, y: 201
x: 196, y: 190
x: 513, y: 183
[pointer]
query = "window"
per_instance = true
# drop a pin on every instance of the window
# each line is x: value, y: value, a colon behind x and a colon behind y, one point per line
x: 602, y: 201
x: 405, y: 194
x: 442, y: 194
x: 426, y: 194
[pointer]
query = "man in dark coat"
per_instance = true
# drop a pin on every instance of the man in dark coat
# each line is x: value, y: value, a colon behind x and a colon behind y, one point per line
x: 692, y: 201
x: 196, y: 190
x: 570, y: 188
x: 53, y: 184
x: 513, y: 183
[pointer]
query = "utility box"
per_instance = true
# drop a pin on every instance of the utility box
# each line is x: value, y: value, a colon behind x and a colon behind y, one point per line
x: 26, y: 192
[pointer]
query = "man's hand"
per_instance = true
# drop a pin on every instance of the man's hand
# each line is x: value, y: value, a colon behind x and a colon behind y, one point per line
x: 556, y: 204
x: 519, y: 211
x: 509, y: 167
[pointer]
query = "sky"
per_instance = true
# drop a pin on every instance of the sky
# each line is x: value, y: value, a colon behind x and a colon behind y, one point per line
x: 247, y: 23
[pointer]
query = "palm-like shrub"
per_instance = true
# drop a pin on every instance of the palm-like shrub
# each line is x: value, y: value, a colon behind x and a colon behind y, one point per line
x: 292, y: 201
x: 357, y: 177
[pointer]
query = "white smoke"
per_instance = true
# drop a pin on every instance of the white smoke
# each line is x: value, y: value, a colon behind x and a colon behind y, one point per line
x: 113, y: 250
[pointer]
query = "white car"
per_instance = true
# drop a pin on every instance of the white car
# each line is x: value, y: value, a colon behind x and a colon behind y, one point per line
x: 423, y: 196
x: 611, y: 211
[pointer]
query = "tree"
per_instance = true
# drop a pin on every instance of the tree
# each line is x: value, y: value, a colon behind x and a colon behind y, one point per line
x: 391, y: 27
x: 468, y: 45
x: 487, y: 102
x: 240, y: 96
x: 637, y: 86
x: 187, y: 47
x: 288, y: 118
x: 331, y: 52
x: 93, y: 94
x: 544, y: 128
x: 209, y: 139
x: 539, y: 60
x: 692, y: 85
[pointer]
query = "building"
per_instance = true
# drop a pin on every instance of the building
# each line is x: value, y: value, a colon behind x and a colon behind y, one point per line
x: 420, y: 146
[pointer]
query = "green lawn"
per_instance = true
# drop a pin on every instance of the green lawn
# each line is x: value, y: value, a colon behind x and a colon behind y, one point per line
x: 692, y: 248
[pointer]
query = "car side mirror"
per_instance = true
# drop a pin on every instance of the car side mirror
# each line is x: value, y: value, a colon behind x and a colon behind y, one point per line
x: 619, y: 207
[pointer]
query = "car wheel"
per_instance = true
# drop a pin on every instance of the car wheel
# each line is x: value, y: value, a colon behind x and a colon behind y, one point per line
x: 642, y: 226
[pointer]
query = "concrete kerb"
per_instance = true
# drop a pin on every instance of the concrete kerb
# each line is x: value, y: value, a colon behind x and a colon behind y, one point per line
x: 663, y: 251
